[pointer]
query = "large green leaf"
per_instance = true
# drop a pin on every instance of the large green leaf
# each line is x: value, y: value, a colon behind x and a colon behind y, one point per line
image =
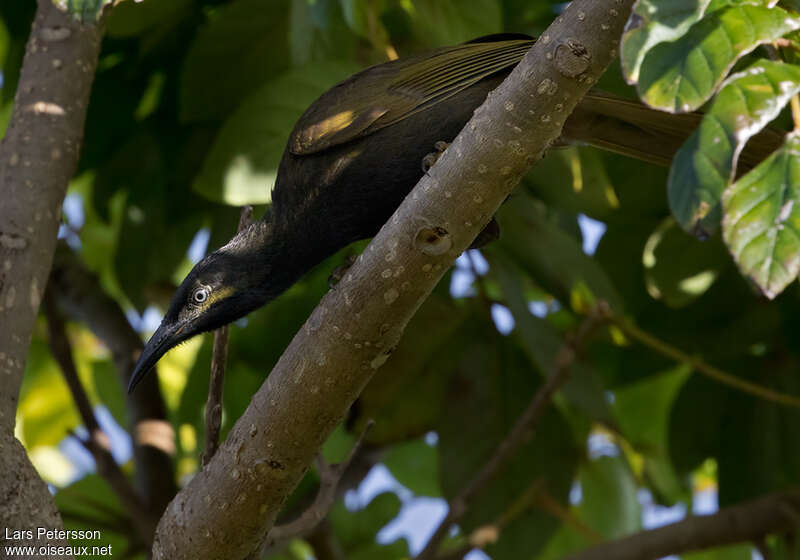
x: 682, y: 75
x: 553, y: 258
x: 762, y: 219
x: 415, y: 465
x: 642, y: 410
x: 243, y: 163
x: 653, y: 22
x: 705, y: 164
x: 356, y: 531
x: 448, y: 22
x: 610, y: 503
x: 574, y: 180
x: 492, y: 387
x: 244, y: 44
x: 319, y: 28
x: 679, y: 268
x: 541, y: 342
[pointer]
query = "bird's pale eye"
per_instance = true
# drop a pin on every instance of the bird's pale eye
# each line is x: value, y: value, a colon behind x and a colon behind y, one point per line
x: 200, y: 295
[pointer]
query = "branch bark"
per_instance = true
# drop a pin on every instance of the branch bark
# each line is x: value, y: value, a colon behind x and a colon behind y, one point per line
x: 227, y: 509
x: 748, y: 522
x: 38, y: 156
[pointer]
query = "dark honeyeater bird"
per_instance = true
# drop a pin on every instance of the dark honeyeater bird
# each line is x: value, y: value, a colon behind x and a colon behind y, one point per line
x: 356, y: 153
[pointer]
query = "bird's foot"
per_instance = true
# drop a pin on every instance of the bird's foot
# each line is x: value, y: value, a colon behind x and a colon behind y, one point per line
x: 433, y: 157
x: 488, y: 234
x: 338, y: 272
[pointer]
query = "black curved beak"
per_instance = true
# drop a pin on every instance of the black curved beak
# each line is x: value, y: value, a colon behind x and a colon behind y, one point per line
x: 165, y: 337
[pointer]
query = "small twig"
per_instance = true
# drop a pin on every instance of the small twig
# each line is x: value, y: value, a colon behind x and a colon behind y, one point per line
x: 97, y: 443
x: 306, y: 522
x: 666, y: 349
x: 219, y: 356
x: 519, y: 435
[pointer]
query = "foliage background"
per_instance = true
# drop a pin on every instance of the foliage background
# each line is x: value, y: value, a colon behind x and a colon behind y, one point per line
x: 192, y: 104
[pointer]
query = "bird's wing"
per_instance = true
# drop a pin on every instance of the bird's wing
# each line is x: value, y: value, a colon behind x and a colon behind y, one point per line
x: 390, y: 92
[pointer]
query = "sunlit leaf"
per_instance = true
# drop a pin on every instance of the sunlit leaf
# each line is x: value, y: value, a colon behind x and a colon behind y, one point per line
x: 679, y: 268
x: 653, y: 22
x: 762, y: 219
x: 705, y: 164
x: 243, y: 163
x: 682, y: 75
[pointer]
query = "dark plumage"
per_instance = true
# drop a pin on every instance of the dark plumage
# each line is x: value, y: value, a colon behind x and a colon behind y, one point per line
x: 355, y: 154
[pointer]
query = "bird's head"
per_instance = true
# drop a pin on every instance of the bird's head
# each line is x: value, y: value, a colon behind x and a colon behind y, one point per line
x: 223, y: 287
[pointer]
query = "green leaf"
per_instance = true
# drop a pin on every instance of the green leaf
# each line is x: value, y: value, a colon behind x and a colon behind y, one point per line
x: 356, y: 531
x: 133, y: 17
x: 89, y: 504
x: 610, y: 503
x: 541, y: 342
x: 492, y: 387
x: 679, y: 268
x: 319, y: 28
x: 653, y: 22
x: 405, y: 400
x: 762, y: 219
x: 682, y: 75
x: 242, y: 165
x: 705, y: 164
x: 574, y: 180
x: 243, y: 45
x: 642, y: 410
x: 46, y: 409
x: 415, y: 465
x: 553, y: 258
x: 448, y: 22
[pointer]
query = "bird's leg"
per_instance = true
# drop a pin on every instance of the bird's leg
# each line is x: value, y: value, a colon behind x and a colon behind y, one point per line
x: 338, y: 272
x: 488, y: 234
x: 433, y: 157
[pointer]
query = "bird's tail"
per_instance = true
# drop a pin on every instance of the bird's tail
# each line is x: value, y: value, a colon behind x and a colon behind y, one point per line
x: 633, y: 129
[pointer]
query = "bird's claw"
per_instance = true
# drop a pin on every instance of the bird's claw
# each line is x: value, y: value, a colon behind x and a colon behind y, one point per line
x: 338, y: 272
x: 433, y: 157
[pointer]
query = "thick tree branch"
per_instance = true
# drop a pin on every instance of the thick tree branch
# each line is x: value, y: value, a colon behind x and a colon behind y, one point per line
x: 330, y: 477
x: 227, y: 510
x: 80, y: 295
x: 748, y: 522
x: 38, y: 156
x: 520, y: 434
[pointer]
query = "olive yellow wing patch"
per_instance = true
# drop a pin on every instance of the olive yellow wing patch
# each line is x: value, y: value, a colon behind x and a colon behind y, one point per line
x: 390, y: 92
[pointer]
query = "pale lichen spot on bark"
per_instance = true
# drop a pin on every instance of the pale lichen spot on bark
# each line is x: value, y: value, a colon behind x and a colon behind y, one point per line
x: 390, y: 296
x: 45, y: 108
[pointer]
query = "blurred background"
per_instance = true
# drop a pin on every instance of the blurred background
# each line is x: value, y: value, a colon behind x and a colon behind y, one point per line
x: 192, y: 105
